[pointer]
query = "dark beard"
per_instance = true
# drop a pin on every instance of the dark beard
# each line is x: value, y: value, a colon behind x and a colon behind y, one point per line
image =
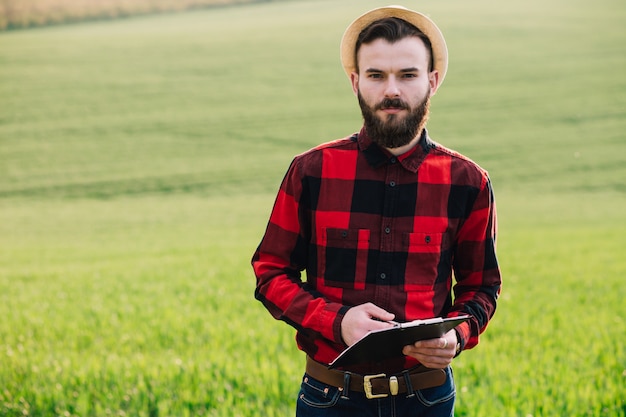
x: 395, y: 132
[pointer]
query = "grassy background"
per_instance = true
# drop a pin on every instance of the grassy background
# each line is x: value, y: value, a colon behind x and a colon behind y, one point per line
x: 139, y: 161
x: 20, y: 14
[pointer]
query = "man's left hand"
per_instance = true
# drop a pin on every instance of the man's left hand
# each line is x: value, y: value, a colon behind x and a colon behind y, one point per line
x: 434, y: 353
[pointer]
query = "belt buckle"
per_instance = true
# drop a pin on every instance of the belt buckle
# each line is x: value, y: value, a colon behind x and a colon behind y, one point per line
x: 367, y: 386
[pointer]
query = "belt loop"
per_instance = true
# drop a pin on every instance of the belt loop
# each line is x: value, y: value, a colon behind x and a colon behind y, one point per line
x: 346, y: 386
x: 409, y: 385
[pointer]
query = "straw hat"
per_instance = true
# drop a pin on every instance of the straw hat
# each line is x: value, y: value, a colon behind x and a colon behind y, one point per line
x: 423, y: 23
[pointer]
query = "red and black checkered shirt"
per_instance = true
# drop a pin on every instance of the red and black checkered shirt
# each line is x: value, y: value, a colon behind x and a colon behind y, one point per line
x: 371, y: 227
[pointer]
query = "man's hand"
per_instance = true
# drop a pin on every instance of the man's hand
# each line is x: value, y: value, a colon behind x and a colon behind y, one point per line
x: 434, y: 353
x: 361, y: 319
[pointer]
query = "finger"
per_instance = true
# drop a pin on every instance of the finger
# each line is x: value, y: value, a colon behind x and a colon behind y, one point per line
x: 429, y: 344
x: 421, y: 353
x: 427, y: 352
x: 432, y: 361
x: 436, y: 364
x: 378, y: 313
x: 374, y: 323
x: 444, y: 343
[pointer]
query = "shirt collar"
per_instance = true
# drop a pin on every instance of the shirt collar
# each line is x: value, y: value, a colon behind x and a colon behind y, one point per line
x: 377, y: 156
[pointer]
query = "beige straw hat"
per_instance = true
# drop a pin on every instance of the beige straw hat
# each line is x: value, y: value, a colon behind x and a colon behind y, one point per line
x: 423, y: 23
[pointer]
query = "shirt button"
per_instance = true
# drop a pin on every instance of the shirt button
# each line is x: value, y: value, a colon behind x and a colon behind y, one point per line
x: 383, y: 275
x: 387, y: 229
x: 392, y: 184
x: 393, y: 160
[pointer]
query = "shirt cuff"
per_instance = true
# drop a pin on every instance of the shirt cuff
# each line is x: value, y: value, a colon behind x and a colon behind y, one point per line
x: 337, y: 325
x: 462, y: 335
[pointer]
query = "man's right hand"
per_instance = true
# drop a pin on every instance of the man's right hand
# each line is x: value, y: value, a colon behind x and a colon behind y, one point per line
x: 362, y: 319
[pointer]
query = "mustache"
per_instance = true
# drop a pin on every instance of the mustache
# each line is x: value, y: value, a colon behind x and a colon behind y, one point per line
x: 394, y: 103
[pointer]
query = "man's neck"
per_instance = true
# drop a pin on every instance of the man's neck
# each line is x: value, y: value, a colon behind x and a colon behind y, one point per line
x: 405, y: 148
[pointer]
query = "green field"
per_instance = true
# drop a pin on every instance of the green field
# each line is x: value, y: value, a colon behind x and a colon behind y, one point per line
x: 139, y: 159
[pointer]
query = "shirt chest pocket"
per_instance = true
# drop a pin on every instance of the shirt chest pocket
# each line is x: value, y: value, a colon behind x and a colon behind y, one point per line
x: 425, y: 260
x: 342, y: 257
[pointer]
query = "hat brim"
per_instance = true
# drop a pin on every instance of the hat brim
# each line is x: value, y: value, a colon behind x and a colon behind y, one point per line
x: 423, y: 23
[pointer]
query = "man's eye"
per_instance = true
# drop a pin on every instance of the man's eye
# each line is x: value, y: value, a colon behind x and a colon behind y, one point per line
x: 375, y: 76
x: 409, y: 76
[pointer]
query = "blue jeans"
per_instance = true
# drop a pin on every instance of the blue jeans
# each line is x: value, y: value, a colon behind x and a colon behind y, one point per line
x: 317, y: 399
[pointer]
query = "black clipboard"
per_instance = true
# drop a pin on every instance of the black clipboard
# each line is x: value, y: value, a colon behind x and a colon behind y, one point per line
x: 378, y: 345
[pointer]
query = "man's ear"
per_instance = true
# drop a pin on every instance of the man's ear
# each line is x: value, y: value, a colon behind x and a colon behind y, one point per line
x: 433, y: 79
x: 354, y: 79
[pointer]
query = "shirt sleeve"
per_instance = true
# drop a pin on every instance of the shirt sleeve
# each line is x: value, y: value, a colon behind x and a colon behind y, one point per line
x: 281, y: 257
x: 476, y: 270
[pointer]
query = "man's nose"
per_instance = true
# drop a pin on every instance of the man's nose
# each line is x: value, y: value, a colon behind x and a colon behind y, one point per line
x: 391, y: 88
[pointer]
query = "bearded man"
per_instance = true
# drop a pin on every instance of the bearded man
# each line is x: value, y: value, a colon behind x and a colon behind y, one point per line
x: 388, y: 225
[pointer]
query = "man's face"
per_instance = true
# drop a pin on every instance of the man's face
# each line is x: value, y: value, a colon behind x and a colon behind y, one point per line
x: 394, y: 89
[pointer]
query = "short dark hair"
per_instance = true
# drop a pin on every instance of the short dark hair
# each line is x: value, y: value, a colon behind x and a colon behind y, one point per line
x: 392, y: 29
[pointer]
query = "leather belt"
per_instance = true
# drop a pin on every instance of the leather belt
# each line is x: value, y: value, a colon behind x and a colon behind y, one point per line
x: 379, y: 385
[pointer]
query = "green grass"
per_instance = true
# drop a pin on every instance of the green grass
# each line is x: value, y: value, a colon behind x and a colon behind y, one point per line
x: 138, y: 164
x: 138, y: 309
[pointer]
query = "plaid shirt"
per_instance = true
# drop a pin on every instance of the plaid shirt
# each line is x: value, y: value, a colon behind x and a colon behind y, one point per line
x: 371, y: 227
